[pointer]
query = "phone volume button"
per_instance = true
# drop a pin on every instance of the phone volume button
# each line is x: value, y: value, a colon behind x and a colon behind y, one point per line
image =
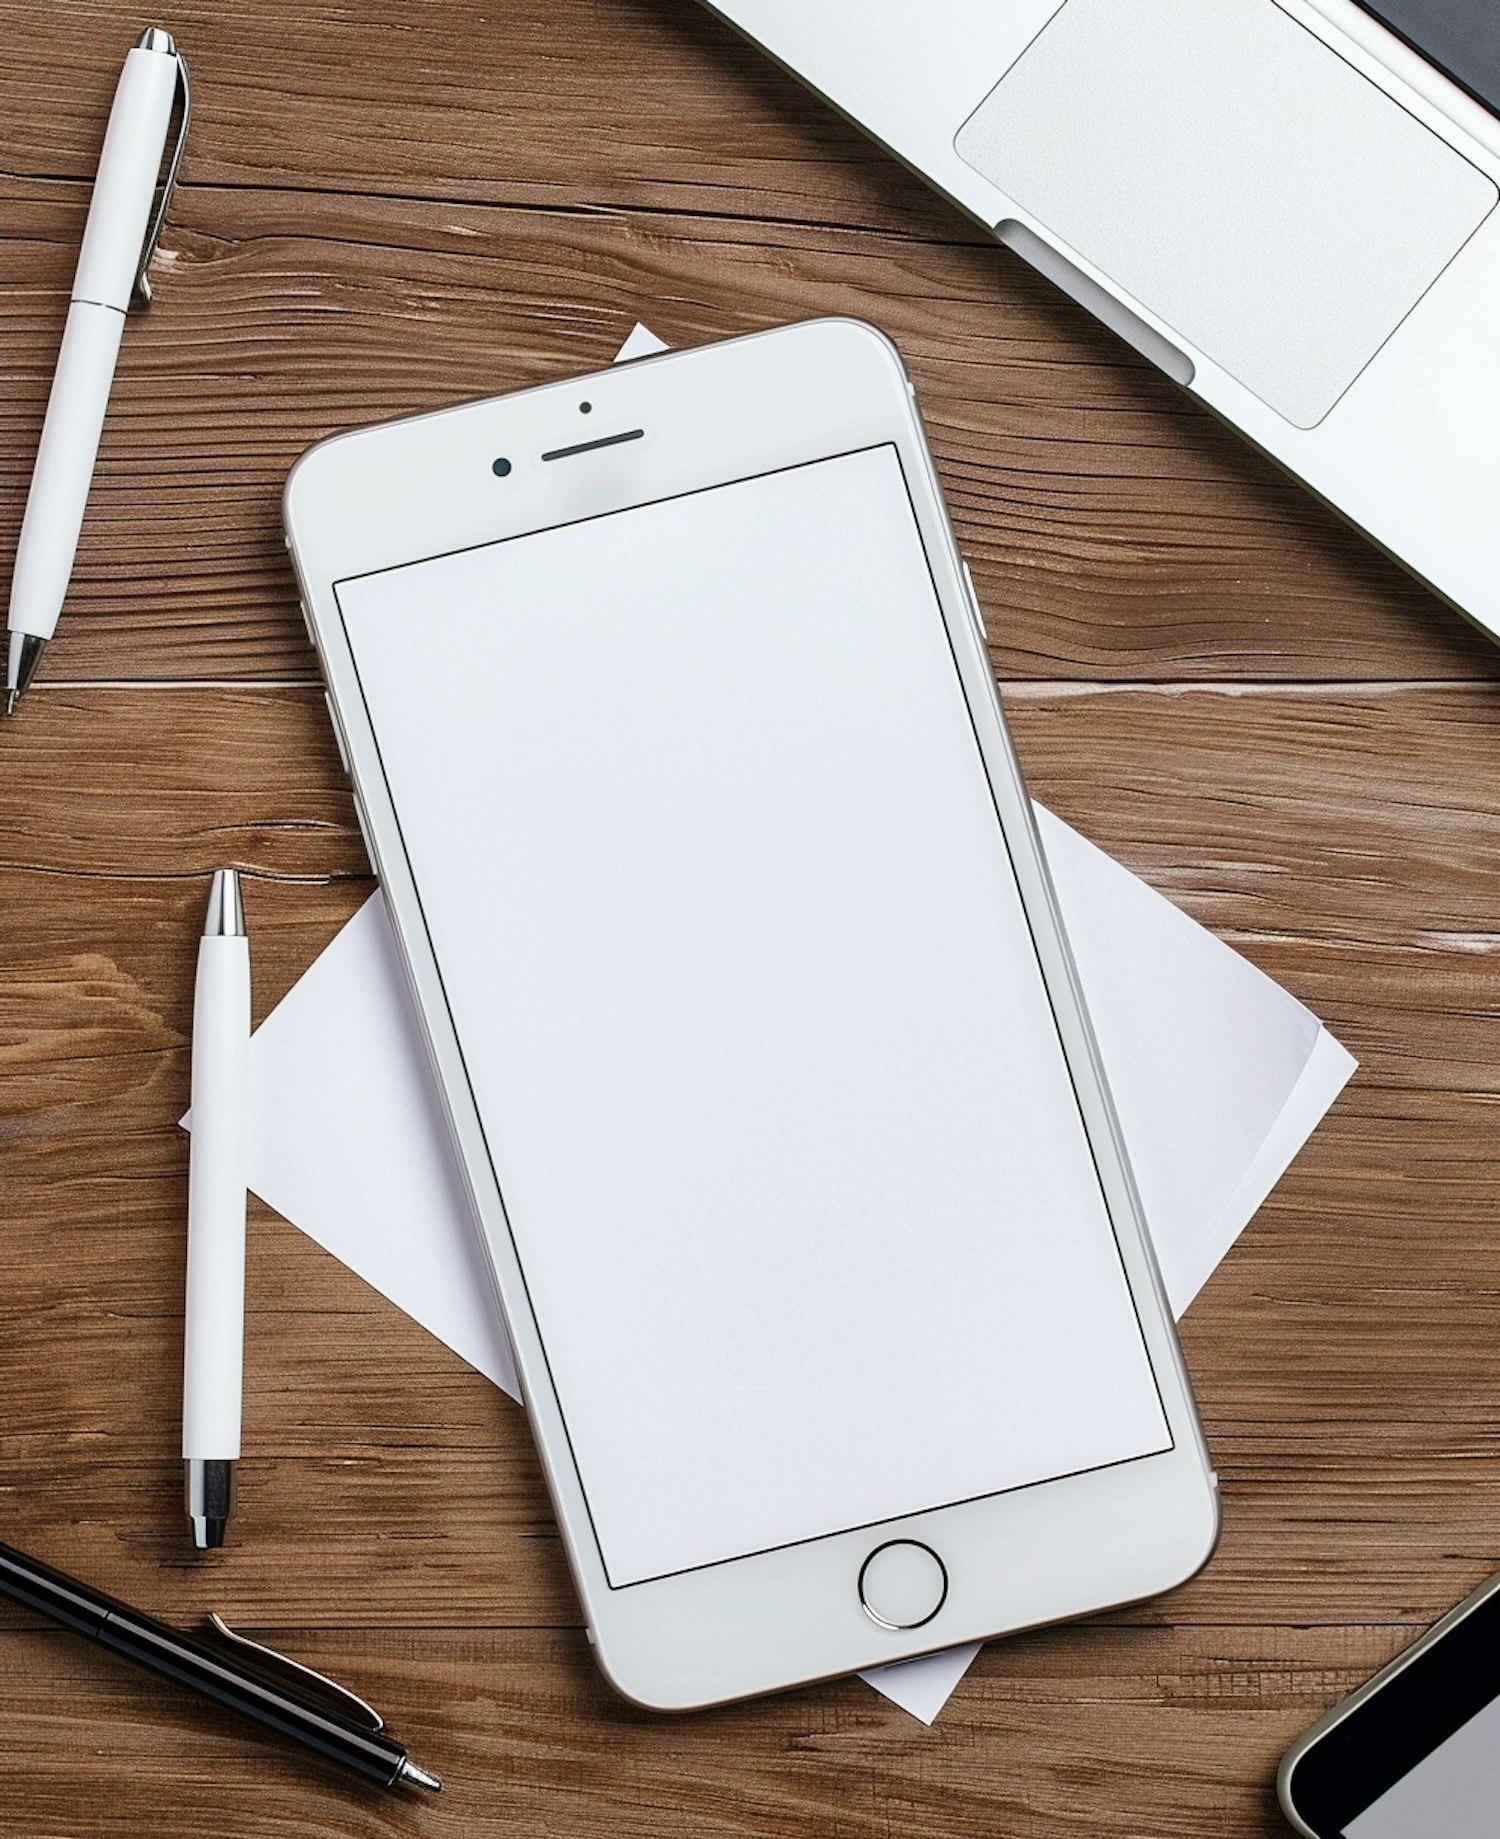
x: 338, y: 735
x: 974, y: 613
x: 364, y: 832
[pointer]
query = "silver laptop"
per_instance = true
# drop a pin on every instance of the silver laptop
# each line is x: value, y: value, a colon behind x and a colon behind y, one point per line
x: 1288, y: 205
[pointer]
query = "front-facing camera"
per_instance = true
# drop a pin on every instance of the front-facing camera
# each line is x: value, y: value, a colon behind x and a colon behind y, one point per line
x: 500, y: 467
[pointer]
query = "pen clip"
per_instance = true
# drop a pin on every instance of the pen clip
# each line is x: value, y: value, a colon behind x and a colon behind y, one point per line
x: 183, y: 104
x: 353, y: 1706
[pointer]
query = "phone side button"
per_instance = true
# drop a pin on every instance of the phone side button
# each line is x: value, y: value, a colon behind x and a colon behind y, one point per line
x: 974, y: 613
x: 359, y: 818
x: 338, y: 734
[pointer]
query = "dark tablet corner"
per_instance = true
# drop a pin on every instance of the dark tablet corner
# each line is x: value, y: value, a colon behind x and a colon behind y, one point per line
x: 1462, y: 37
x: 1378, y: 1742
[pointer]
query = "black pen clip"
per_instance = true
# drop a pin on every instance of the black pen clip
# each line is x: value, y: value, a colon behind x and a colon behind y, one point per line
x: 183, y: 107
x: 350, y: 1703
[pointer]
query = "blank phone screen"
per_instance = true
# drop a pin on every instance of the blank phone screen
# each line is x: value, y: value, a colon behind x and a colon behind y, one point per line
x: 751, y: 1014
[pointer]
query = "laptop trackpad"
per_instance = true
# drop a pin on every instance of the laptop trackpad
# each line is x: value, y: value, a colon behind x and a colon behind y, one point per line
x: 1235, y: 176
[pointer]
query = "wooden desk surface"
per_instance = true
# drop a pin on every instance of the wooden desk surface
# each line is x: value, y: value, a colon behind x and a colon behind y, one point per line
x: 386, y: 208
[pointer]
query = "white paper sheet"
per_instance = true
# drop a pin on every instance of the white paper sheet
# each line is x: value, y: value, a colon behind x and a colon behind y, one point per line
x: 1219, y: 1076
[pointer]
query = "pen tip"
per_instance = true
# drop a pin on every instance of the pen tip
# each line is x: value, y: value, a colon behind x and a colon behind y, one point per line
x: 23, y: 653
x: 226, y: 912
x: 421, y: 1778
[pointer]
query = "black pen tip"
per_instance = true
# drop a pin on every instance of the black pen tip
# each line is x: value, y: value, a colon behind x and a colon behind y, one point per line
x: 22, y: 655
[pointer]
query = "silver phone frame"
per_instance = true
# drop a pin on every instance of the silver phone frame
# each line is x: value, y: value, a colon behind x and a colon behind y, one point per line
x: 1076, y: 1544
x: 1336, y: 1715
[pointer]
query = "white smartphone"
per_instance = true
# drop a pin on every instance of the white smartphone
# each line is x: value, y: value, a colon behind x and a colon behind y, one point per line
x: 679, y: 757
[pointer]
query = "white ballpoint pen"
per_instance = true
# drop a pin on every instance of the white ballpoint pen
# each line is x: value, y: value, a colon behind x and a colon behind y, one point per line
x: 124, y: 222
x: 214, y: 1338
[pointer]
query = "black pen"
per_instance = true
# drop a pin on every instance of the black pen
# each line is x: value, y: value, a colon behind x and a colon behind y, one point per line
x: 352, y: 1735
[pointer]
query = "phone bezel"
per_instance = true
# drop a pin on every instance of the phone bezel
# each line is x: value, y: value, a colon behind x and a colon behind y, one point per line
x: 411, y: 490
x: 1374, y: 1738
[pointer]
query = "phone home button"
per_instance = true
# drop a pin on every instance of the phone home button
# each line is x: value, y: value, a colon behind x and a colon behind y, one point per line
x: 902, y: 1584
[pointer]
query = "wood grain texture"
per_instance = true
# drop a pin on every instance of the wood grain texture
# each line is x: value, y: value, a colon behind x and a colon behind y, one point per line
x: 647, y: 106
x: 386, y: 210
x: 1154, y: 1727
x: 1115, y: 532
x: 1344, y: 1354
